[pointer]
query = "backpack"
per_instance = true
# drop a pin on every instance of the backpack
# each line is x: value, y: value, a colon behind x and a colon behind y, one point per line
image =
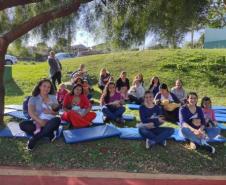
x: 25, y: 107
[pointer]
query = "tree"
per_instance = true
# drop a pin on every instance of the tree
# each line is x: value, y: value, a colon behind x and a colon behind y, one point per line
x: 18, y: 17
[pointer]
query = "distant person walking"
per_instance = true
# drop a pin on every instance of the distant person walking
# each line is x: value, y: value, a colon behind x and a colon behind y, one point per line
x: 55, y: 69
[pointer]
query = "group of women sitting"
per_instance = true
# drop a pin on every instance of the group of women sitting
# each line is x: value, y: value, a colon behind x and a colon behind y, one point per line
x: 158, y: 105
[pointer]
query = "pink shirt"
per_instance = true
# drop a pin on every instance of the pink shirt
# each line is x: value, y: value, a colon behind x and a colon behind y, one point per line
x: 209, y: 113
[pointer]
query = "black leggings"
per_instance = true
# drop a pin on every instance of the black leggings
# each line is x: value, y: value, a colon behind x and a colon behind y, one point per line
x: 29, y: 127
x: 56, y: 77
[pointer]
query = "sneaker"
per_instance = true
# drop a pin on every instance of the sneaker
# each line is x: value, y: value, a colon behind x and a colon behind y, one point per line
x: 30, y: 144
x: 163, y: 143
x: 53, y: 137
x: 147, y: 146
x: 209, y: 148
x: 149, y: 143
x: 192, y: 146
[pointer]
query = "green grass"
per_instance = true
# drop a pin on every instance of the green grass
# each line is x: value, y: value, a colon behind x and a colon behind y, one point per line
x: 202, y: 71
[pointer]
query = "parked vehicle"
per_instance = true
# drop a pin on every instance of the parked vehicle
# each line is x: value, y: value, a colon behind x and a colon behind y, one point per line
x: 63, y: 56
x: 10, y: 60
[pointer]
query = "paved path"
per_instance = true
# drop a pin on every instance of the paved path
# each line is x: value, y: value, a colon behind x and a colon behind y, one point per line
x: 26, y: 176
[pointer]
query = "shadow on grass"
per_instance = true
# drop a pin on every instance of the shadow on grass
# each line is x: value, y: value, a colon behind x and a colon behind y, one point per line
x: 12, y: 89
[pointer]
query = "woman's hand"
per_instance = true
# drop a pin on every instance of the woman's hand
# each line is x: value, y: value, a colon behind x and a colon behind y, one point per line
x: 48, y: 111
x: 149, y: 125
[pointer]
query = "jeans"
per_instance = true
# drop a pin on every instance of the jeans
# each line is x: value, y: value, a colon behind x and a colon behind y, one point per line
x: 29, y: 127
x: 188, y: 134
x: 113, y: 114
x: 56, y: 77
x: 158, y: 135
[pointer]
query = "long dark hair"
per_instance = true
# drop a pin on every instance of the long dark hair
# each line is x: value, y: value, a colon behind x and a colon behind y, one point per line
x: 77, y: 85
x: 36, y: 90
x: 204, y: 99
x: 152, y: 81
x: 106, y: 93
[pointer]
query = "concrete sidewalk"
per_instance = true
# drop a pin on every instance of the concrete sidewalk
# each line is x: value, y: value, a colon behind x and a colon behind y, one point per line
x: 24, y: 176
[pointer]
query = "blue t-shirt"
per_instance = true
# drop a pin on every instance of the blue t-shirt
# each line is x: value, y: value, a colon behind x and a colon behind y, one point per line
x: 185, y: 116
x: 148, y: 115
x: 37, y: 102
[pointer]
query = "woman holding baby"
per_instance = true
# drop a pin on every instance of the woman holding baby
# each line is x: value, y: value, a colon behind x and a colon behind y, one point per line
x: 193, y: 125
x: 43, y: 121
x: 151, y: 119
x: 77, y: 108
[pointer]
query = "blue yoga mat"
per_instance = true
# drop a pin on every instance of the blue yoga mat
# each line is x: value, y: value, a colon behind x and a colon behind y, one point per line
x: 90, y: 134
x: 133, y: 106
x: 17, y: 114
x: 215, y: 107
x: 15, y: 107
x: 130, y: 133
x: 221, y: 117
x: 222, y: 126
x: 13, y: 130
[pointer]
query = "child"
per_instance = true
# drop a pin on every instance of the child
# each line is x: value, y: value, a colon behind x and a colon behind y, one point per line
x: 209, y: 115
x: 46, y: 117
x: 136, y: 92
x: 61, y: 93
x: 86, y: 89
x: 76, y: 107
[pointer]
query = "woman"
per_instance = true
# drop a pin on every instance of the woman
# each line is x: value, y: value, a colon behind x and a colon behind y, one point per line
x: 136, y: 92
x: 179, y: 91
x: 140, y: 78
x: 122, y: 85
x: 77, y: 108
x: 55, y: 69
x: 154, y: 85
x: 43, y: 94
x: 150, y: 116
x: 169, y: 103
x: 193, y: 124
x: 113, y: 104
x: 103, y: 79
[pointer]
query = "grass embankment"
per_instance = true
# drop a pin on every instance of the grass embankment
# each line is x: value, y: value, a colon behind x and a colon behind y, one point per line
x: 202, y: 71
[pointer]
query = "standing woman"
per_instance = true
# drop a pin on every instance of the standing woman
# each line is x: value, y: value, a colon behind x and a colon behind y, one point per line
x: 55, y: 69
x: 179, y: 91
x: 154, y: 85
x: 113, y: 104
x: 193, y: 124
x: 150, y: 116
x: 77, y: 108
x: 103, y: 79
x: 43, y: 93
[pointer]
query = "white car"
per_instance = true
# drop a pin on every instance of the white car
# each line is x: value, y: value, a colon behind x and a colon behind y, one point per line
x: 63, y: 56
x: 10, y: 60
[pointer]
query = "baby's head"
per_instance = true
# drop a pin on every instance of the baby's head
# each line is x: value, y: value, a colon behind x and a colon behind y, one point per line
x: 62, y: 86
x: 196, y: 122
x: 55, y: 107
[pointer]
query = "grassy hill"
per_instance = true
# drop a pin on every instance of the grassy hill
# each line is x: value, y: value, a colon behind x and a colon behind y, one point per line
x: 203, y: 71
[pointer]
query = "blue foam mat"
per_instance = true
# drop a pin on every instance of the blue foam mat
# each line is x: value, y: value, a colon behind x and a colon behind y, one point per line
x: 130, y: 133
x: 89, y: 134
x: 216, y: 107
x: 133, y: 106
x: 222, y: 126
x: 17, y: 114
x: 15, y: 107
x: 13, y: 130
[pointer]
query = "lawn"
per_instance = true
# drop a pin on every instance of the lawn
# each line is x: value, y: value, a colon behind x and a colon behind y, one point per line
x: 202, y: 71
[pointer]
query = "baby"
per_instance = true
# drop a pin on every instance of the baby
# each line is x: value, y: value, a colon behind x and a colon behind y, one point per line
x: 46, y: 117
x: 76, y: 107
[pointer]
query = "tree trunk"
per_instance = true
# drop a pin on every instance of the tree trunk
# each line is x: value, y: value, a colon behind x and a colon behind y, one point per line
x: 3, y: 49
x: 192, y: 38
